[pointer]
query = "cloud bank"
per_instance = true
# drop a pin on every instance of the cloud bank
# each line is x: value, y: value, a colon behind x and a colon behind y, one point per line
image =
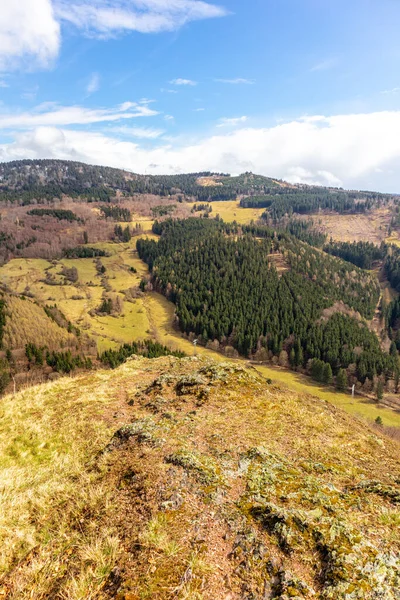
x: 360, y: 151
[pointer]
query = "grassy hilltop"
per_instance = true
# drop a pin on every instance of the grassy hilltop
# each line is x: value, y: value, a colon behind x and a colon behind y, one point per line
x: 191, y: 479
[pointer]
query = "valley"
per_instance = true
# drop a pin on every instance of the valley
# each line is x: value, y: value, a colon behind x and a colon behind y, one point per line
x: 108, y: 298
x: 246, y: 466
x: 148, y: 316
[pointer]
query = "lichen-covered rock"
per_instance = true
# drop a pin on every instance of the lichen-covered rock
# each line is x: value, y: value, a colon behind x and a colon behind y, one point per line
x: 202, y: 467
x: 142, y: 431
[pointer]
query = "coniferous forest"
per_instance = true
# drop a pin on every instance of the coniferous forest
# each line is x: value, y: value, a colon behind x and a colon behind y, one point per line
x: 253, y: 287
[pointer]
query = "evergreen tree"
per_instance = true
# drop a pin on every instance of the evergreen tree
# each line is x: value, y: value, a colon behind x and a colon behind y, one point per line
x: 327, y: 376
x: 341, y: 380
x: 379, y: 391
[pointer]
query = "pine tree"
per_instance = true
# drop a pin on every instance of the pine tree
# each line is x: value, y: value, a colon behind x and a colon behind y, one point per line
x: 379, y: 391
x: 341, y: 380
x: 292, y: 358
x: 327, y: 375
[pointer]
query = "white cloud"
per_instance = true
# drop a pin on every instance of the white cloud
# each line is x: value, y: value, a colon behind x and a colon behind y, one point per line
x: 325, y: 65
x: 199, y: 109
x: 29, y: 34
x: 395, y: 90
x: 189, y: 82
x: 104, y: 18
x: 30, y: 93
x: 167, y: 91
x: 169, y: 118
x: 237, y: 81
x: 225, y: 122
x: 138, y: 132
x: 93, y: 84
x: 3, y: 84
x: 55, y: 115
x: 360, y: 151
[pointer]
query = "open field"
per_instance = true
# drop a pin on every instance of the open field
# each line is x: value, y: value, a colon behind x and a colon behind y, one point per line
x: 48, y: 487
x: 231, y: 211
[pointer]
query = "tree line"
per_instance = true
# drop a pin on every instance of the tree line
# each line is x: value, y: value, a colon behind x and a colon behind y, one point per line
x: 147, y: 348
x: 61, y: 362
x: 56, y: 213
x: 117, y: 213
x: 361, y: 254
x: 84, y: 252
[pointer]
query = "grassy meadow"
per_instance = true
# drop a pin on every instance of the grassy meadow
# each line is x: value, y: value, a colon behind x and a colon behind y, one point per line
x: 232, y: 211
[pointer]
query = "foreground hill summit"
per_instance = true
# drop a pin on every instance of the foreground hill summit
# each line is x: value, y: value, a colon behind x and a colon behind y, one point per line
x: 187, y: 478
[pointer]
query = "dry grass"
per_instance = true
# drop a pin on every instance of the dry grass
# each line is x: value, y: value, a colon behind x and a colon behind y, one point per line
x: 355, y: 228
x: 232, y: 211
x: 51, y: 497
x: 176, y: 528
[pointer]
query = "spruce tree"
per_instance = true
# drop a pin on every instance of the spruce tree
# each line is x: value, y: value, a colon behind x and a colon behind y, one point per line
x: 341, y: 380
x: 379, y: 391
x: 327, y: 375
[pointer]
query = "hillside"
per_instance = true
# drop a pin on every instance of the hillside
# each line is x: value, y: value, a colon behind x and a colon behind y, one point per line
x: 186, y: 478
x: 27, y: 181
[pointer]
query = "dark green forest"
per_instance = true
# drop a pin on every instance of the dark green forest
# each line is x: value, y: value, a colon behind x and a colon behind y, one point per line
x: 307, y: 200
x: 361, y: 254
x: 84, y: 252
x: 60, y: 214
x: 392, y: 266
x: 148, y: 349
x: 117, y: 213
x: 226, y: 288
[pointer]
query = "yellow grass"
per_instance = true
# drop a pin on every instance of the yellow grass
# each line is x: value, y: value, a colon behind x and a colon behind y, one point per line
x: 50, y: 498
x: 359, y: 406
x: 231, y: 211
x: 393, y: 240
x: 86, y: 268
x: 20, y: 273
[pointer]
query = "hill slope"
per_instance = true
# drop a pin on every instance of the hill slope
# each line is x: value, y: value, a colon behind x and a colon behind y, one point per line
x: 174, y: 478
x: 26, y: 181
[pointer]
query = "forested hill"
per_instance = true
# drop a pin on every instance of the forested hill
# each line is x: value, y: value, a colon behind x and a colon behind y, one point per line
x: 227, y: 289
x: 30, y: 181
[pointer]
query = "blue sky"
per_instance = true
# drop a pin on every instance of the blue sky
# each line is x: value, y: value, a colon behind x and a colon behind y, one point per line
x: 306, y: 90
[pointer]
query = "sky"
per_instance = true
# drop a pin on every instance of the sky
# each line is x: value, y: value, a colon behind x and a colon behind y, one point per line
x: 303, y: 90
